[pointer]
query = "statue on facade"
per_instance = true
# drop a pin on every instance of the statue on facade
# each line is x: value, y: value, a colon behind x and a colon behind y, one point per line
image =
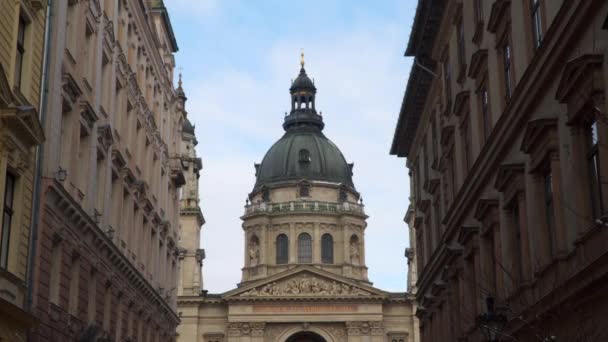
x: 354, y: 253
x: 254, y: 253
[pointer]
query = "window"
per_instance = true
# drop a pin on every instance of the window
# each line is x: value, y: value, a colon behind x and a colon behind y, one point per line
x: 74, y: 286
x: 92, y: 296
x: 343, y: 196
x: 282, y: 249
x: 478, y: 11
x: 466, y: 143
x: 304, y: 156
x: 517, y: 252
x: 304, y: 248
x: 485, y: 112
x: 434, y: 141
x: 20, y: 57
x: 447, y: 82
x: 549, y: 211
x: 327, y: 249
x: 7, y: 219
x: 265, y: 195
x: 461, y: 52
x: 304, y: 190
x: 536, y: 22
x: 593, y: 163
x: 507, y: 69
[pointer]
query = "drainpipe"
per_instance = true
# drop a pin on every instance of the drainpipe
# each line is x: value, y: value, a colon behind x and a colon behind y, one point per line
x: 39, y: 159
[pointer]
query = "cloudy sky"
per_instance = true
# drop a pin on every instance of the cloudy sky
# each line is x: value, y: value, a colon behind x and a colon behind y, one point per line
x: 238, y: 58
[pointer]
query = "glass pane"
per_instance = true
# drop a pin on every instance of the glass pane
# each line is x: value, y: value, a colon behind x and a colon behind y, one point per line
x: 4, y: 240
x: 304, y: 248
x: 327, y: 249
x: 9, y: 191
x: 282, y: 249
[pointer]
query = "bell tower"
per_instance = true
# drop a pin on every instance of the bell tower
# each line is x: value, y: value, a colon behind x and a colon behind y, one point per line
x: 191, y: 218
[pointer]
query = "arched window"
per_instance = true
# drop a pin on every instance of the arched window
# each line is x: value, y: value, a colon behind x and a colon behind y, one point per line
x: 304, y: 248
x: 327, y: 249
x: 282, y: 249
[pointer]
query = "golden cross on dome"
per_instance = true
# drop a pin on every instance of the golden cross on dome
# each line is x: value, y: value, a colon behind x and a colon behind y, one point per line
x: 302, y: 58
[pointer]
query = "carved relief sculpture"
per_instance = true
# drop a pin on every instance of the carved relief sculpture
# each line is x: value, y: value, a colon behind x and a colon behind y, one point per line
x: 306, y: 285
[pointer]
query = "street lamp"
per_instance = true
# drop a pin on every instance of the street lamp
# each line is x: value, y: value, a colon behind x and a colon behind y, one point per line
x: 490, y: 323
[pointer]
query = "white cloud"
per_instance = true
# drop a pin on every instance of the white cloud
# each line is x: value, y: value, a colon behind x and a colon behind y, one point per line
x: 360, y: 77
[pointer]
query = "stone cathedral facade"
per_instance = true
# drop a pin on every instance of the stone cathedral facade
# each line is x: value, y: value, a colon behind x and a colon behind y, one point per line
x: 304, y: 276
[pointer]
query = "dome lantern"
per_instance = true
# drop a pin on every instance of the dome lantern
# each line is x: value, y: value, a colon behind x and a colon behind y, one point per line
x: 303, y: 110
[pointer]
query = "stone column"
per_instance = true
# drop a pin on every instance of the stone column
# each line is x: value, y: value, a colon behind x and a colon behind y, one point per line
x: 293, y: 254
x: 316, y: 246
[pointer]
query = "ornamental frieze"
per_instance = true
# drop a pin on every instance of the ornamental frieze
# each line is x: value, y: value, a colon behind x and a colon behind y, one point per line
x: 305, y: 285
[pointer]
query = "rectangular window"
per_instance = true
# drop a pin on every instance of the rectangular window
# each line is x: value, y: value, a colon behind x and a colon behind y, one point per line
x: 593, y: 163
x: 485, y: 113
x: 20, y: 56
x: 537, y: 29
x: 447, y: 82
x: 74, y: 287
x: 507, y: 69
x: 478, y: 11
x: 461, y: 52
x: 467, y: 144
x: 515, y: 220
x: 7, y: 218
x: 434, y: 140
x: 549, y: 211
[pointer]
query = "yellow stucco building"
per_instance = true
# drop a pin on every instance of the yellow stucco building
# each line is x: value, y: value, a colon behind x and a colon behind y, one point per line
x: 21, y: 53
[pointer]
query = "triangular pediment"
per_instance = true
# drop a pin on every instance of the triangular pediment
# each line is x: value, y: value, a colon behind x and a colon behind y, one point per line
x: 303, y: 282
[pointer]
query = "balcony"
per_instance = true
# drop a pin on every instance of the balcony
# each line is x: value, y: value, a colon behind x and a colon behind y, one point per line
x: 300, y: 207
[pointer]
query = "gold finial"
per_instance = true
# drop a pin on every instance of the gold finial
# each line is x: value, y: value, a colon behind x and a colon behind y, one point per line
x: 302, y: 58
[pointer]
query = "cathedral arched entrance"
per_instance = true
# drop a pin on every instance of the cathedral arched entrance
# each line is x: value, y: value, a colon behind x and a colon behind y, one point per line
x: 306, y: 336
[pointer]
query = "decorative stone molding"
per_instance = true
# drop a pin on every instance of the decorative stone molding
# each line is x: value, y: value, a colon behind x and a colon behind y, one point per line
x: 374, y: 328
x: 305, y: 285
x: 255, y: 329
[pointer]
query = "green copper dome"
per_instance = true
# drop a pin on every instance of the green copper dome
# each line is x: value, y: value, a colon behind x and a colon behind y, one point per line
x: 303, y: 153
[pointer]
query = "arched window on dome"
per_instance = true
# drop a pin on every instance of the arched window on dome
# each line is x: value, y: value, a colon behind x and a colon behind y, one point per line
x: 282, y: 246
x: 327, y: 249
x: 304, y: 248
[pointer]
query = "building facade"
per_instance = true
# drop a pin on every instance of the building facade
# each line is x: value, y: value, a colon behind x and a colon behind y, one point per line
x: 503, y: 124
x: 106, y: 247
x: 21, y: 55
x: 304, y: 276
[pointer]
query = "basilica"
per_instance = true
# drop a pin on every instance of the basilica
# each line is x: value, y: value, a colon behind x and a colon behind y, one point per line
x: 304, y: 276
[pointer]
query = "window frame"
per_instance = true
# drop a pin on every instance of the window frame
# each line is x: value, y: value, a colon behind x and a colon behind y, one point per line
x: 282, y: 249
x: 327, y: 249
x: 594, y: 169
x: 484, y: 108
x: 21, y: 51
x: 8, y: 212
x: 304, y: 248
x: 507, y: 61
x: 549, y: 210
x: 537, y: 26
